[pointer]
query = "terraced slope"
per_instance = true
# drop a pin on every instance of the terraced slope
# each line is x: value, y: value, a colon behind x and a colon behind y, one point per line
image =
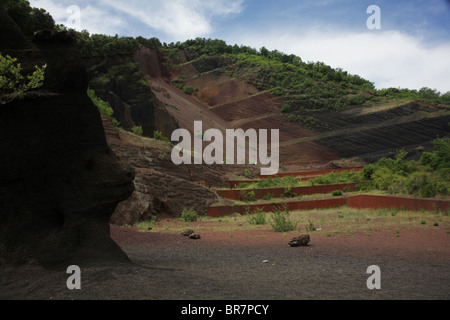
x: 374, y: 132
x: 365, y: 132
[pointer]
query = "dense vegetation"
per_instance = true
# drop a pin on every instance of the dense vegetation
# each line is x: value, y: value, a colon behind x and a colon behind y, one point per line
x: 304, y: 85
x: 27, y: 18
x: 13, y: 84
x: 426, y: 178
x: 103, y: 106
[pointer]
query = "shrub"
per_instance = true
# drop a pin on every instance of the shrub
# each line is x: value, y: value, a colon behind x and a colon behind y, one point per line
x: 189, y: 215
x: 386, y: 180
x: 247, y: 174
x: 178, y: 82
x: 310, y: 227
x: 288, y: 193
x: 268, y: 196
x: 13, y: 84
x: 441, y: 157
x: 157, y: 135
x: 280, y: 220
x: 247, y: 195
x: 368, y: 171
x: 286, y: 107
x: 137, y: 130
x: 338, y: 177
x: 103, y: 106
x: 189, y: 90
x: 257, y: 218
x: 336, y: 193
x: 347, y: 189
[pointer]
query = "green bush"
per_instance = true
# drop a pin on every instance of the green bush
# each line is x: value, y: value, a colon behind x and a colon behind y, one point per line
x: 280, y: 220
x: 336, y: 193
x: 310, y: 227
x: 428, y: 178
x: 268, y: 196
x: 189, y: 90
x: 258, y: 217
x: 368, y: 171
x: 288, y: 193
x: 189, y: 215
x: 13, y: 84
x: 247, y: 195
x: 103, y: 106
x: 338, y: 177
x: 137, y: 130
x: 178, y: 82
x: 286, y: 107
x: 441, y: 157
x: 157, y: 135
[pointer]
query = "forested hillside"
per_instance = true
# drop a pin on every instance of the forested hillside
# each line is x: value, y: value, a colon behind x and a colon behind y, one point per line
x: 318, y: 109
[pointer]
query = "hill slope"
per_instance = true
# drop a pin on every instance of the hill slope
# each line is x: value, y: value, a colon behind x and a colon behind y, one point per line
x: 370, y: 125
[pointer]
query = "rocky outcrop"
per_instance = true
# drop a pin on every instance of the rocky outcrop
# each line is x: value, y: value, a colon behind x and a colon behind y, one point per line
x: 60, y: 182
x: 164, y: 189
x: 300, y: 241
x: 161, y: 195
x: 120, y: 81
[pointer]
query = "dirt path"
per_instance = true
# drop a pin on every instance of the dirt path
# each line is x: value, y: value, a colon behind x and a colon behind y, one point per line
x: 251, y: 265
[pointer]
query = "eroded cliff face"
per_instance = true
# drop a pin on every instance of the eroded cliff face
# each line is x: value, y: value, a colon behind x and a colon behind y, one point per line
x: 60, y: 182
x: 120, y: 81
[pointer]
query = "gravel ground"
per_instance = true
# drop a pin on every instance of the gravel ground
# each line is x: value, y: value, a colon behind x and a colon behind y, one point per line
x: 251, y: 265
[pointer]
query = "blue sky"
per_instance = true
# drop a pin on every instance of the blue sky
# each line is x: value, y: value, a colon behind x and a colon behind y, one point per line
x: 411, y: 50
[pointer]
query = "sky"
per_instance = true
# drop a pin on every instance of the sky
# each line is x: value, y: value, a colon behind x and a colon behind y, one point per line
x: 399, y: 43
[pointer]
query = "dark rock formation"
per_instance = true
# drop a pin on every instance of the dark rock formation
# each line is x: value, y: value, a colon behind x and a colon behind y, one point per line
x: 53, y: 37
x: 195, y: 236
x: 163, y: 189
x: 300, y: 241
x: 10, y: 36
x: 162, y: 195
x: 187, y: 232
x: 60, y: 182
x: 118, y: 80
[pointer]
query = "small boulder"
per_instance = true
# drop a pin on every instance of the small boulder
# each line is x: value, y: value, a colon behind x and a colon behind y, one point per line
x: 194, y: 236
x: 187, y: 232
x: 300, y: 241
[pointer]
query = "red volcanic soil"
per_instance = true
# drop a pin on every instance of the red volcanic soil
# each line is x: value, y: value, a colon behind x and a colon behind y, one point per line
x: 235, y: 264
x: 223, y: 102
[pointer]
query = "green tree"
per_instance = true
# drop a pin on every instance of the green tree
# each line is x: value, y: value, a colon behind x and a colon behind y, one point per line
x: 440, y: 158
x: 14, y: 85
x: 27, y: 18
x: 429, y: 94
x: 445, y: 98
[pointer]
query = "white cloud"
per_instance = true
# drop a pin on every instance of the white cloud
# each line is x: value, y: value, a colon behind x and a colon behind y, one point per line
x: 389, y: 59
x: 179, y: 19
x: 92, y: 18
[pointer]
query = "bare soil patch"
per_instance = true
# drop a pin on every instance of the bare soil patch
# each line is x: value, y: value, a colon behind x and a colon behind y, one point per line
x: 235, y: 261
